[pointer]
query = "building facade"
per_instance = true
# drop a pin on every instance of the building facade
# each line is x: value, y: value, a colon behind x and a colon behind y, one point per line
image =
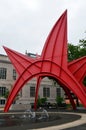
x: 8, y: 76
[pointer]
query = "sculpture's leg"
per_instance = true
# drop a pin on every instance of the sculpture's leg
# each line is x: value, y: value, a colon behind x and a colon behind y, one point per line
x: 70, y: 97
x: 37, y: 90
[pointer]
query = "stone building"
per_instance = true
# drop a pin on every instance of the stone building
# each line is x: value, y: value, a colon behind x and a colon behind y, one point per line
x: 8, y: 76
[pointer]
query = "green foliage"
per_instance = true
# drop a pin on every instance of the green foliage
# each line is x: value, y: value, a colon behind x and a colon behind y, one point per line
x: 77, y: 51
x: 68, y: 105
x: 41, y: 100
x: 73, y: 52
x: 59, y: 100
x: 82, y: 43
x: 6, y: 93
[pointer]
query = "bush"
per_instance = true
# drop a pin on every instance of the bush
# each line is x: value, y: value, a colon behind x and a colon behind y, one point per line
x: 59, y: 100
x: 41, y: 101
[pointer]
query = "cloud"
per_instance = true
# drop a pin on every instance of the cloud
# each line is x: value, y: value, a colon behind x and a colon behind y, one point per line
x: 25, y: 25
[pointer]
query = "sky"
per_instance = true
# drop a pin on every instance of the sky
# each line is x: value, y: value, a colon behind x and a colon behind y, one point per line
x: 25, y: 24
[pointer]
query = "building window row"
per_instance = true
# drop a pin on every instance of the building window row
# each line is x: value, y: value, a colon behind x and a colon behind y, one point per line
x: 2, y: 91
x: 2, y: 101
x: 32, y: 91
x: 58, y: 92
x: 14, y: 74
x: 46, y: 91
x: 3, y: 73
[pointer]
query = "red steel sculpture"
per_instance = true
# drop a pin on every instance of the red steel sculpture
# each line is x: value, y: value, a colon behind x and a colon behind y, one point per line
x: 77, y: 67
x: 52, y: 63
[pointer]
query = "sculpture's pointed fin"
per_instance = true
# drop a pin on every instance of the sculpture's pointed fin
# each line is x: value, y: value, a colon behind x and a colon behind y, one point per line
x: 77, y: 67
x: 55, y: 48
x: 19, y: 60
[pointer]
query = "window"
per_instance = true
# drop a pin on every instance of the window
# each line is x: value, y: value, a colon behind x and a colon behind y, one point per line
x: 58, y: 92
x: 14, y: 74
x: 32, y: 91
x: 3, y: 72
x: 2, y: 101
x: 2, y: 91
x: 46, y: 92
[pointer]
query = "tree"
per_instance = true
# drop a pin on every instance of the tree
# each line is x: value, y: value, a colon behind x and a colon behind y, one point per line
x: 83, y: 43
x: 77, y: 51
x: 41, y: 101
x: 59, y: 100
x: 73, y: 52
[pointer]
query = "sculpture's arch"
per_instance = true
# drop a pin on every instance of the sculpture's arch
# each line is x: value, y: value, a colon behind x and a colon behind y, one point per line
x: 52, y: 62
x: 21, y: 61
x: 67, y: 91
x: 29, y: 71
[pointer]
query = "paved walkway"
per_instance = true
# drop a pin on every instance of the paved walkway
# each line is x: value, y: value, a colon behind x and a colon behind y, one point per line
x: 73, y: 124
